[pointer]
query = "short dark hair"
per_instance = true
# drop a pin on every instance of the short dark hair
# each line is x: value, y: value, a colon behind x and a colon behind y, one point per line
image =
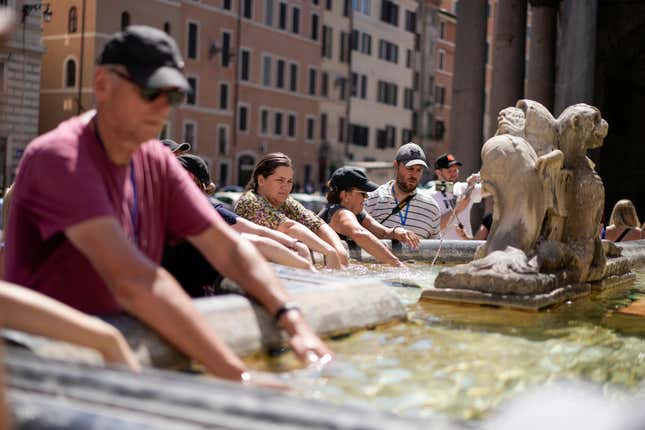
x: 266, y: 167
x: 333, y: 195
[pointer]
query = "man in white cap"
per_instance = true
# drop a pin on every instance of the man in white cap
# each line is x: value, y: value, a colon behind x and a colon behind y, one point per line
x: 397, y: 202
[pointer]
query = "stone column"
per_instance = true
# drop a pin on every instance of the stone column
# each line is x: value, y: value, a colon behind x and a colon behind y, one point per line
x: 468, y: 84
x: 541, y: 74
x: 508, y: 60
x: 576, y: 44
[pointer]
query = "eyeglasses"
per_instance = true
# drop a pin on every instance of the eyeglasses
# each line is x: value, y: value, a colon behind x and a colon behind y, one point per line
x: 174, y: 95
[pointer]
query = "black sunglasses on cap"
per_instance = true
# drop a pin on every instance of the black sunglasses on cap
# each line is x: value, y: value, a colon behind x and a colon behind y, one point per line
x: 174, y: 95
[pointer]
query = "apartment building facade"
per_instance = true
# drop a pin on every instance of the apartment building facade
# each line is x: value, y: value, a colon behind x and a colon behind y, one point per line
x: 254, y: 66
x: 382, y: 42
x: 20, y: 70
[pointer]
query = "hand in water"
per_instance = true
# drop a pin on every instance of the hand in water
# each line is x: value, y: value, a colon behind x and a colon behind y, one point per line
x: 407, y: 237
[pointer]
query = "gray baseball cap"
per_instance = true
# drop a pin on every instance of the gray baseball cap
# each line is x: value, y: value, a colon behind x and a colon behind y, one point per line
x: 410, y: 155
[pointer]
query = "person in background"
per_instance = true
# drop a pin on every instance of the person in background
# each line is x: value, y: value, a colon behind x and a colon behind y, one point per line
x: 623, y: 223
x: 455, y: 199
x: 193, y: 272
x: 267, y: 202
x: 92, y: 234
x: 484, y: 229
x: 398, y: 203
x: 176, y: 148
x: 348, y: 188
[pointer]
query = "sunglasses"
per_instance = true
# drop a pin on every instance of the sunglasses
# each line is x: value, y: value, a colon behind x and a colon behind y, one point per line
x: 174, y: 95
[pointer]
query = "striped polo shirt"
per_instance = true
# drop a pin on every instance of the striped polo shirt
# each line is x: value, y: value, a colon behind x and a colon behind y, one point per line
x: 423, y: 214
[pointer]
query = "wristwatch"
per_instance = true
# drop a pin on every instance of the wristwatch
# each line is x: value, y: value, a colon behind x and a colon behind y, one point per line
x: 286, y: 307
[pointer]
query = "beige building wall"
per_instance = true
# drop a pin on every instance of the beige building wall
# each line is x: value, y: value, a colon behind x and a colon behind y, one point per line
x: 20, y: 69
x: 336, y: 105
x: 370, y: 112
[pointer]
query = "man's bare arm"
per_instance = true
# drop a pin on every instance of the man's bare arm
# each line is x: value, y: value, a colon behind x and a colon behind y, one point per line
x: 151, y: 294
x: 235, y: 258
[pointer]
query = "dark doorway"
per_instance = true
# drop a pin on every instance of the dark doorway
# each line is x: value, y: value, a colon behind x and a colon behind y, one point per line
x: 620, y: 96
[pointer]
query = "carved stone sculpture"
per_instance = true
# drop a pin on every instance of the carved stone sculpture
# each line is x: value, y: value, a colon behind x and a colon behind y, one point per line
x: 548, y: 203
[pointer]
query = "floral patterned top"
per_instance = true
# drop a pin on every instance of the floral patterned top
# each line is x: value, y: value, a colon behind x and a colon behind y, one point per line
x: 257, y: 208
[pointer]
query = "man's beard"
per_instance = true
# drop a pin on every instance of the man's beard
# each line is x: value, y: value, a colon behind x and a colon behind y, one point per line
x: 403, y: 186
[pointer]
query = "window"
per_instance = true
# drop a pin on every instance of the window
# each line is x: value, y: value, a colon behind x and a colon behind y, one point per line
x: 354, y: 39
x: 222, y: 140
x: 441, y: 61
x: 312, y: 82
x: 192, y: 40
x: 70, y: 73
x: 440, y: 95
x: 388, y: 51
x: 406, y: 136
x: 166, y: 27
x: 72, y: 20
x: 295, y: 20
x: 125, y: 20
x: 245, y: 65
x: 223, y: 96
x: 268, y: 12
x: 191, y: 97
x: 264, y: 122
x: 344, y: 48
x: 165, y: 132
x: 243, y: 118
x: 324, y: 84
x: 248, y: 9
x: 410, y: 21
x: 226, y: 48
x: 438, y: 130
x: 386, y: 138
x: 346, y: 7
x: 359, y: 135
x: 189, y: 133
x: 223, y: 173
x: 354, y: 87
x: 266, y: 71
x: 282, y: 19
x: 227, y: 4
x: 328, y: 4
x: 314, y: 26
x: 408, y: 58
x: 366, y: 44
x: 442, y: 30
x: 341, y: 129
x: 390, y: 12
x: 408, y: 98
x: 293, y: 77
x: 311, y: 128
x: 291, y: 125
x: 280, y: 74
x: 277, y: 123
x: 323, y: 126
x: 387, y: 93
x: 363, y: 93
x: 362, y: 6
x: 327, y: 38
x: 342, y: 88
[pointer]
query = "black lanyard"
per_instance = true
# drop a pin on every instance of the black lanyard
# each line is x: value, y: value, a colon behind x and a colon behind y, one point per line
x: 134, y: 212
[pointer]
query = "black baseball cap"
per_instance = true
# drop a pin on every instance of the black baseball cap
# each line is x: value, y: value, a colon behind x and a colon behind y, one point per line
x: 176, y: 147
x: 445, y: 161
x: 410, y: 155
x: 197, y: 166
x: 150, y: 56
x: 346, y: 178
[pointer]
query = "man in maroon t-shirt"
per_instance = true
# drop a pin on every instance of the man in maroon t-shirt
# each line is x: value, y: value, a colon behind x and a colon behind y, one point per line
x: 96, y: 199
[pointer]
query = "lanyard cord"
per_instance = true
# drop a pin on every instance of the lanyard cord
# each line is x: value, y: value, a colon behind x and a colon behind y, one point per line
x: 134, y: 212
x: 397, y: 209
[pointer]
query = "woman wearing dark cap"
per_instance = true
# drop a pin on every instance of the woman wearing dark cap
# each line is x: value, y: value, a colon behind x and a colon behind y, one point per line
x: 348, y: 188
x: 267, y: 202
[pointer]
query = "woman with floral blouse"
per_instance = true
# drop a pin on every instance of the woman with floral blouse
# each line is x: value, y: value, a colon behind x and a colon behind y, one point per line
x: 266, y: 202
